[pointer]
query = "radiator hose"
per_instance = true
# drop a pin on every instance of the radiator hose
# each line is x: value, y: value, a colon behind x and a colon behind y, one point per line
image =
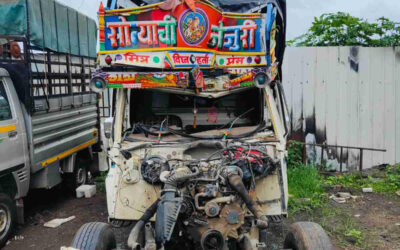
x: 134, y: 234
x: 236, y: 183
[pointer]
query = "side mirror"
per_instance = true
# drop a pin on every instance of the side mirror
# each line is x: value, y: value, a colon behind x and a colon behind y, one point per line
x: 108, y: 126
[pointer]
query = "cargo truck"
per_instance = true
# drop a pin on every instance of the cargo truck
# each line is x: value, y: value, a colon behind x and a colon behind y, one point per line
x: 49, y: 118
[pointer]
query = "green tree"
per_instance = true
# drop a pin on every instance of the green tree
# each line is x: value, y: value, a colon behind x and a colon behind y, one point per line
x: 342, y: 29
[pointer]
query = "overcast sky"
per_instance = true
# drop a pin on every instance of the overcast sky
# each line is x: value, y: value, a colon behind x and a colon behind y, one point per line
x: 300, y: 12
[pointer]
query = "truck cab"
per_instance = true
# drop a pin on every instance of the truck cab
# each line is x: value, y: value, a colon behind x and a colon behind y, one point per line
x: 197, y: 139
x: 14, y: 150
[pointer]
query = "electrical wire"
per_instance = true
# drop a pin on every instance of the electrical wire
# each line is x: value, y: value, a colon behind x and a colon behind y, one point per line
x: 236, y: 118
x: 260, y: 127
x: 240, y: 116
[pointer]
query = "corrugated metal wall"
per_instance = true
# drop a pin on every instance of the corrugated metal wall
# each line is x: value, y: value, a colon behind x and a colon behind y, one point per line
x: 345, y: 96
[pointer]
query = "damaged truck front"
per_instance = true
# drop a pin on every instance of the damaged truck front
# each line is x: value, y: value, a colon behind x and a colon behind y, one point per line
x: 197, y: 140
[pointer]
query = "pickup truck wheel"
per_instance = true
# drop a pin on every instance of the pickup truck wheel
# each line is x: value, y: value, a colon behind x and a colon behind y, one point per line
x: 94, y: 236
x: 8, y: 217
x: 80, y: 176
x: 307, y: 236
x: 75, y: 179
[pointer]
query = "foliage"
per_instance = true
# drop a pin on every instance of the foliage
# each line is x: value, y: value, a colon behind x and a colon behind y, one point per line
x: 389, y: 183
x: 295, y: 154
x: 304, y: 181
x: 102, y: 177
x: 356, y: 235
x: 342, y: 29
x: 100, y: 182
x: 305, y: 188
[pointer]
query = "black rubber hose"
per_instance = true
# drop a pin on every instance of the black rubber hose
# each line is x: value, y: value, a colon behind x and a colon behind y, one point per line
x: 173, y: 181
x: 163, y: 133
x: 237, y: 185
x: 134, y: 234
x: 150, y: 211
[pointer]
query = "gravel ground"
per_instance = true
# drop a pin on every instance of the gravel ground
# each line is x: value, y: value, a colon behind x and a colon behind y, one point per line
x: 379, y: 215
x: 44, y: 205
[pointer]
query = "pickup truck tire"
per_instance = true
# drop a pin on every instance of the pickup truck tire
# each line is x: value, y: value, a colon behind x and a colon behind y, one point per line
x: 76, y: 179
x: 307, y: 236
x: 80, y: 174
x: 94, y: 236
x: 8, y: 217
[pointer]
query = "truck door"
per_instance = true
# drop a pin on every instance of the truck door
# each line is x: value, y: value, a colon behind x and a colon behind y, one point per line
x: 12, y: 155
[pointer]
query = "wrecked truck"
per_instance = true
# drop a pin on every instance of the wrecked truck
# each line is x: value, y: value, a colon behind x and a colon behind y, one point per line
x: 197, y: 139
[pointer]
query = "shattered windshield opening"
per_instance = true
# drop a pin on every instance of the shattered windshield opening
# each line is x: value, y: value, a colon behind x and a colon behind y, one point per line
x: 150, y: 110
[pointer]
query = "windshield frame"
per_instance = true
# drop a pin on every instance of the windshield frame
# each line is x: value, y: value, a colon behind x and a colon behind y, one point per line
x: 261, y: 127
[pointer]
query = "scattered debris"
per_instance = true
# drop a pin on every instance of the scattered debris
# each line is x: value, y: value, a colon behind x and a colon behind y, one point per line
x: 397, y: 224
x: 68, y: 248
x: 357, y: 215
x: 18, y: 237
x: 304, y: 200
x: 367, y: 190
x: 86, y: 190
x: 58, y: 222
x: 342, y: 197
x: 398, y: 193
x: 337, y: 199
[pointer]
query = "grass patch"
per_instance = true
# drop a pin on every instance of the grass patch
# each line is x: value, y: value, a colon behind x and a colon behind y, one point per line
x: 305, y: 188
x: 305, y: 181
x: 309, y: 202
x: 308, y: 199
x: 388, y: 182
x: 340, y: 225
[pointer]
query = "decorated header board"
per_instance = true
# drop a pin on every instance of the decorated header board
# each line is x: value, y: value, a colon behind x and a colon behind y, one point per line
x: 181, y: 38
x: 181, y: 42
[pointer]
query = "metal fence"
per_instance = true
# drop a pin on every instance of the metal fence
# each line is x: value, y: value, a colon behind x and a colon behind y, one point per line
x: 348, y: 96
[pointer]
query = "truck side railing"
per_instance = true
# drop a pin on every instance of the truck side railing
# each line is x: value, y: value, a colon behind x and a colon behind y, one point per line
x: 51, y: 74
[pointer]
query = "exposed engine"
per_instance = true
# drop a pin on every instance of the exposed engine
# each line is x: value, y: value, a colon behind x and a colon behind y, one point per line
x: 209, y: 201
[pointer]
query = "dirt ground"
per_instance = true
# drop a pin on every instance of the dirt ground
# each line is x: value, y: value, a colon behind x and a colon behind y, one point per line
x: 44, y: 205
x: 378, y: 216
